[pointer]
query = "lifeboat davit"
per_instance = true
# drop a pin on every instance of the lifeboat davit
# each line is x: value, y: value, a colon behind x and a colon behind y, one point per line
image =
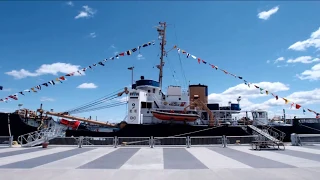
x: 170, y: 116
x: 70, y: 123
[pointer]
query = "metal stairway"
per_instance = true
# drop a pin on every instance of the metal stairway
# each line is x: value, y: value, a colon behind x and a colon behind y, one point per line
x: 269, y: 133
x: 41, y: 136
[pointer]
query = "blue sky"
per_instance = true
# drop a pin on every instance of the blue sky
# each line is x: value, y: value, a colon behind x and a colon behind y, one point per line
x: 230, y: 35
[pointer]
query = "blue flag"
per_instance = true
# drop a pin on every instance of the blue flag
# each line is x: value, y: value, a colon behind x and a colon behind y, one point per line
x: 1, y: 87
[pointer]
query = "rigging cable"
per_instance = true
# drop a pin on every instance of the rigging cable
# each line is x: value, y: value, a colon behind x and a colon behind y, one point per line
x: 172, y: 71
x: 97, y: 103
x: 106, y: 97
x: 181, y: 65
x: 103, y: 107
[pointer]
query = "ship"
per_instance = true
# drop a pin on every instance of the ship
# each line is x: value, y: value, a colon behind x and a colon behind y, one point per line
x: 153, y: 112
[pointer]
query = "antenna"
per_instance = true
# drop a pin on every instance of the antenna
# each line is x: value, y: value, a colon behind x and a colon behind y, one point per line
x: 162, y: 35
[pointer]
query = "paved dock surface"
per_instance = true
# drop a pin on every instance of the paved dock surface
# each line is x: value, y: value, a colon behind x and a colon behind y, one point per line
x: 201, y: 163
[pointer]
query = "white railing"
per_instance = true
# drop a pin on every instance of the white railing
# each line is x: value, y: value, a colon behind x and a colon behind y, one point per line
x: 151, y: 142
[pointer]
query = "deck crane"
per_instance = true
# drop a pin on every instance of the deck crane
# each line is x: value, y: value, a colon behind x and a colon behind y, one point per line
x: 198, y: 103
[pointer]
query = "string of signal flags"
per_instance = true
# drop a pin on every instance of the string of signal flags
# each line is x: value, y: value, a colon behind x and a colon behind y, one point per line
x: 262, y: 90
x: 53, y: 82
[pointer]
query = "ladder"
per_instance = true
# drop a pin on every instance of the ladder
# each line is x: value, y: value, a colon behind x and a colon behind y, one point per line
x: 40, y: 136
x: 269, y: 133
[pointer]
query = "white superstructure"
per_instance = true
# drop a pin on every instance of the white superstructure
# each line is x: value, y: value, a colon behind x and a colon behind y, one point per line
x: 146, y: 96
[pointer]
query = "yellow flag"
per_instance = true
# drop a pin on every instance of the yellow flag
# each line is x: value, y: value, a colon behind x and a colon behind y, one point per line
x: 267, y: 92
x: 33, y: 90
x: 285, y: 100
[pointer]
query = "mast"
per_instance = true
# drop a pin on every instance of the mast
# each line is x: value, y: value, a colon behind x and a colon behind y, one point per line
x: 162, y: 35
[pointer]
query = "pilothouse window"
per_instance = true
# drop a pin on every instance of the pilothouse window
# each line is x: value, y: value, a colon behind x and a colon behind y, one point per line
x: 143, y: 105
x: 146, y: 105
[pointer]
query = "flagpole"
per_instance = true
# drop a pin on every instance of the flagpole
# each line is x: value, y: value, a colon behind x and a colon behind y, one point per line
x: 131, y: 68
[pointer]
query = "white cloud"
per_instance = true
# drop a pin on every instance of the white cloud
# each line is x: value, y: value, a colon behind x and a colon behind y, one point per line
x: 112, y: 46
x: 313, y: 41
x: 87, y: 12
x: 268, y: 61
x: 279, y: 59
x: 304, y: 60
x: 246, y: 93
x: 312, y: 74
x: 87, y: 86
x: 140, y: 57
x: 265, y: 15
x: 53, y: 69
x: 70, y: 3
x: 93, y: 35
x: 46, y: 99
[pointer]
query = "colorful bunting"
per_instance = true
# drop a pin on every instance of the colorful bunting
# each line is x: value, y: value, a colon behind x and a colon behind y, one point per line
x: 63, y: 78
x: 297, y: 106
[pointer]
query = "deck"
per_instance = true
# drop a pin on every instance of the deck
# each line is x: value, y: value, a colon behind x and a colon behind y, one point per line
x: 134, y: 163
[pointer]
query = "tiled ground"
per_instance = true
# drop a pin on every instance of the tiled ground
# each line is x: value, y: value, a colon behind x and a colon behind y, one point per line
x: 234, y: 162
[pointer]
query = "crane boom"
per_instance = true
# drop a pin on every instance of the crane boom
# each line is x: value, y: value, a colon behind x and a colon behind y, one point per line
x: 66, y: 115
x: 77, y: 118
x: 198, y: 103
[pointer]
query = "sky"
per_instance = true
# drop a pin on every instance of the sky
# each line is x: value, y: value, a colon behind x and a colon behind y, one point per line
x: 274, y: 45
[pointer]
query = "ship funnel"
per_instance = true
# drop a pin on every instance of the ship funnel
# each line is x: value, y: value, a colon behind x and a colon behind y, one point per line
x: 198, y: 92
x: 142, y: 77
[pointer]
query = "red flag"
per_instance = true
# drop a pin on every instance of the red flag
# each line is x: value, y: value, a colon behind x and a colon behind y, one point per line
x: 199, y: 60
x: 121, y: 54
x: 298, y: 106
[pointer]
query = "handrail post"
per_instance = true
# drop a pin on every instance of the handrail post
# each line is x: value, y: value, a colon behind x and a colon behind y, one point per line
x: 10, y: 141
x: 188, y: 141
x: 224, y: 141
x: 115, y: 142
x: 151, y: 142
x: 80, y: 142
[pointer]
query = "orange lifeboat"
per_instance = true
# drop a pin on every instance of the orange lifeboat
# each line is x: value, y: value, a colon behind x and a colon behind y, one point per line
x: 70, y: 123
x: 171, y: 116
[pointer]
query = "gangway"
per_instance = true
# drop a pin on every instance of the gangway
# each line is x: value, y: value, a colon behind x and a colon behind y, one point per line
x: 268, y: 136
x: 40, y: 136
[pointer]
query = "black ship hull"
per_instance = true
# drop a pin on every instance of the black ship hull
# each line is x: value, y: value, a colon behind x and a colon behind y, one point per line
x: 19, y: 127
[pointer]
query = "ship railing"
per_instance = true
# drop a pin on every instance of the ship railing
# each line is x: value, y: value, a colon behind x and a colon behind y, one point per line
x: 6, y: 141
x: 207, y: 141
x: 240, y: 140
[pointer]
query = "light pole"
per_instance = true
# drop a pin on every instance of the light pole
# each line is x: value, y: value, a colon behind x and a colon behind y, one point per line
x: 131, y: 68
